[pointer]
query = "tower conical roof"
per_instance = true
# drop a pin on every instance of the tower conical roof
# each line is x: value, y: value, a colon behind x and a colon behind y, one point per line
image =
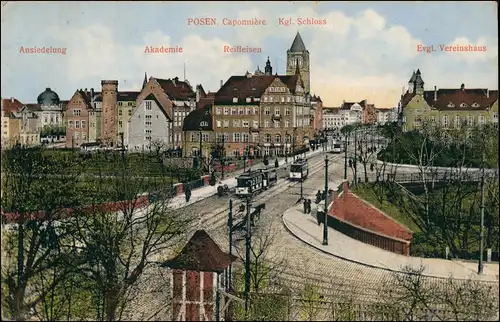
x: 298, y: 44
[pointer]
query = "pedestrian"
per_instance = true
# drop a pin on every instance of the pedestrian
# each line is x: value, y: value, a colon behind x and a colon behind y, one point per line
x: 187, y: 193
x: 319, y: 216
x: 318, y: 196
x: 308, y: 206
x: 305, y: 206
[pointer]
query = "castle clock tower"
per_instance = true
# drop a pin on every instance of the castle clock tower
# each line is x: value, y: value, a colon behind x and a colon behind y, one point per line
x: 298, y: 54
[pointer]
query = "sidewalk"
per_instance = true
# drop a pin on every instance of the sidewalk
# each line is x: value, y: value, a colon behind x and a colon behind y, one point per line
x: 179, y: 201
x: 305, y: 228
x: 431, y: 168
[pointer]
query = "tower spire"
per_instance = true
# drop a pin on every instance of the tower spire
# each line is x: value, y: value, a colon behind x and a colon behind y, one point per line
x: 269, y: 69
x: 145, y: 80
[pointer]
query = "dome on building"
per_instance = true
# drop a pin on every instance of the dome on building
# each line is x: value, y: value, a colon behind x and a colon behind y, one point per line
x: 48, y: 98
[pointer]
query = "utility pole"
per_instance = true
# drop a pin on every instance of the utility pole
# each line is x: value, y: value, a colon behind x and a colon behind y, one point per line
x: 200, y: 154
x: 123, y: 147
x: 248, y: 242
x: 301, y: 189
x: 355, y: 163
x: 345, y: 157
x: 325, y: 224
x: 481, y: 228
x: 230, y: 231
x: 223, y: 156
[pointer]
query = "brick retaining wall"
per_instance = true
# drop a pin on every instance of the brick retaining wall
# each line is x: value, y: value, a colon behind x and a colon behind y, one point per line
x: 357, y: 219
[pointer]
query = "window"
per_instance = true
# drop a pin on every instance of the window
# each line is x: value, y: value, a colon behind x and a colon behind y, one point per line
x: 267, y: 111
x: 282, y: 99
x: 129, y: 112
x: 148, y: 105
x: 219, y: 124
x: 255, y: 124
x: 218, y: 111
x: 236, y: 123
x: 77, y: 112
x: 193, y: 137
x: 495, y: 115
x: 235, y: 100
x: 481, y: 119
x: 288, y: 99
x: 147, y: 131
x: 226, y: 137
x: 255, y: 137
x: 276, y: 124
x: 287, y: 111
x: 244, y: 137
x: 475, y: 104
x: 277, y: 111
x: 147, y: 123
x: 245, y: 123
x: 70, y: 124
x: 234, y: 111
x: 265, y: 98
x: 287, y: 123
x: 445, y: 120
x: 248, y: 110
x: 226, y: 110
x: 77, y: 136
x: 147, y: 116
x: 77, y: 124
x: 463, y: 105
x: 236, y: 137
x: 270, y: 98
x: 266, y: 123
x: 457, y: 121
x: 204, y: 137
x: 267, y: 138
x: 287, y: 138
x: 226, y: 123
x: 241, y: 111
x: 255, y: 111
x: 147, y: 138
x: 204, y: 123
x: 236, y: 152
x: 432, y: 119
x: 277, y: 138
x: 470, y: 120
x: 120, y: 112
x: 248, y: 99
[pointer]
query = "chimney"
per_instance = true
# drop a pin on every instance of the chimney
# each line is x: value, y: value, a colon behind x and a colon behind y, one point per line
x: 12, y: 99
x: 345, y: 186
x: 92, y: 92
x: 221, y: 83
x: 487, y: 93
x: 173, y: 81
x: 435, y: 94
x: 462, y: 87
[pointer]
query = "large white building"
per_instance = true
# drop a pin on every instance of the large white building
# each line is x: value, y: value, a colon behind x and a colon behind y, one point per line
x: 149, y: 125
x: 347, y: 113
x: 386, y: 115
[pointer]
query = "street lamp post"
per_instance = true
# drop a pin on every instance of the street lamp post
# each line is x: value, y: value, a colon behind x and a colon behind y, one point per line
x: 345, y: 157
x: 481, y: 228
x: 230, y: 231
x: 293, y: 143
x: 200, y: 154
x: 286, y: 148
x: 248, y: 241
x: 325, y: 224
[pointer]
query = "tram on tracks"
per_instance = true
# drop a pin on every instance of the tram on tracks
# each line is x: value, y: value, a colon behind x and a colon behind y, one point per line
x: 299, y: 170
x: 253, y: 182
x: 338, y: 147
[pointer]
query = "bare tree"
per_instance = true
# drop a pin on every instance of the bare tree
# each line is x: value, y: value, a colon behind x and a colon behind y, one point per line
x: 119, y: 241
x: 412, y: 296
x: 35, y: 194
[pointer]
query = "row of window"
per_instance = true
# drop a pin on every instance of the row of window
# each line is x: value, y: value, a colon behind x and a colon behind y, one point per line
x: 125, y: 103
x: 255, y: 111
x: 120, y: 112
x: 458, y: 119
x: 46, y: 119
x: 242, y: 138
x: 77, y: 136
x: 77, y: 124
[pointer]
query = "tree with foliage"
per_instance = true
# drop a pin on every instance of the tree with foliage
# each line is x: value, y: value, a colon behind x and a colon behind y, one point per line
x: 35, y: 194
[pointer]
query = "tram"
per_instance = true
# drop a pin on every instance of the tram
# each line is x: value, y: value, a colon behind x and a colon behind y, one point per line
x: 253, y: 182
x: 338, y: 148
x: 299, y: 169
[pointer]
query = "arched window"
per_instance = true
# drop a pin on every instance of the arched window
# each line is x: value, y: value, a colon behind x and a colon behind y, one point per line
x: 267, y: 138
x: 277, y: 138
x: 288, y: 138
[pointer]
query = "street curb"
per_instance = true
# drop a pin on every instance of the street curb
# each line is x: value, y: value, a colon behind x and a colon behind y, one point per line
x: 365, y: 264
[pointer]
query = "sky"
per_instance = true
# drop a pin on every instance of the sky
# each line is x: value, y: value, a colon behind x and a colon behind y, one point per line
x: 366, y: 50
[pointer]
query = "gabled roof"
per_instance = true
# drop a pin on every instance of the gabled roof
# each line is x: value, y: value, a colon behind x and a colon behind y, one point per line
x: 152, y: 97
x: 176, y: 89
x: 193, y: 121
x: 298, y: 44
x: 32, y: 107
x: 452, y: 99
x: 86, y: 98
x: 201, y: 254
x: 11, y: 105
x: 348, y: 105
x: 243, y: 87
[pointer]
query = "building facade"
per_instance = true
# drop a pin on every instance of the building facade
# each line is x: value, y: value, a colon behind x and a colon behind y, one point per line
x: 149, y: 125
x: 262, y: 114
x: 317, y: 106
x: 77, y: 118
x: 386, y: 115
x: 198, y: 130
x: 447, y: 108
x: 51, y: 109
x: 126, y: 103
x: 10, y: 123
x: 298, y: 56
x: 369, y: 114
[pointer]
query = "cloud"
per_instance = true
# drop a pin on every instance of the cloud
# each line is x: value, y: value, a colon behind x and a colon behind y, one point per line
x: 355, y: 55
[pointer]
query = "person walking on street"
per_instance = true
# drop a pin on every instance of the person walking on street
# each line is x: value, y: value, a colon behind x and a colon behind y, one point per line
x: 187, y: 192
x: 308, y: 206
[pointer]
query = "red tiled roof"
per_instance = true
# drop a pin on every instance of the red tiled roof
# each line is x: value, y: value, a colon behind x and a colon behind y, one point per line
x: 33, y: 107
x: 211, y: 94
x: 348, y: 105
x: 243, y: 87
x: 11, y: 105
x: 176, y: 89
x: 201, y: 254
x: 354, y: 210
x: 204, y: 102
x: 127, y: 96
